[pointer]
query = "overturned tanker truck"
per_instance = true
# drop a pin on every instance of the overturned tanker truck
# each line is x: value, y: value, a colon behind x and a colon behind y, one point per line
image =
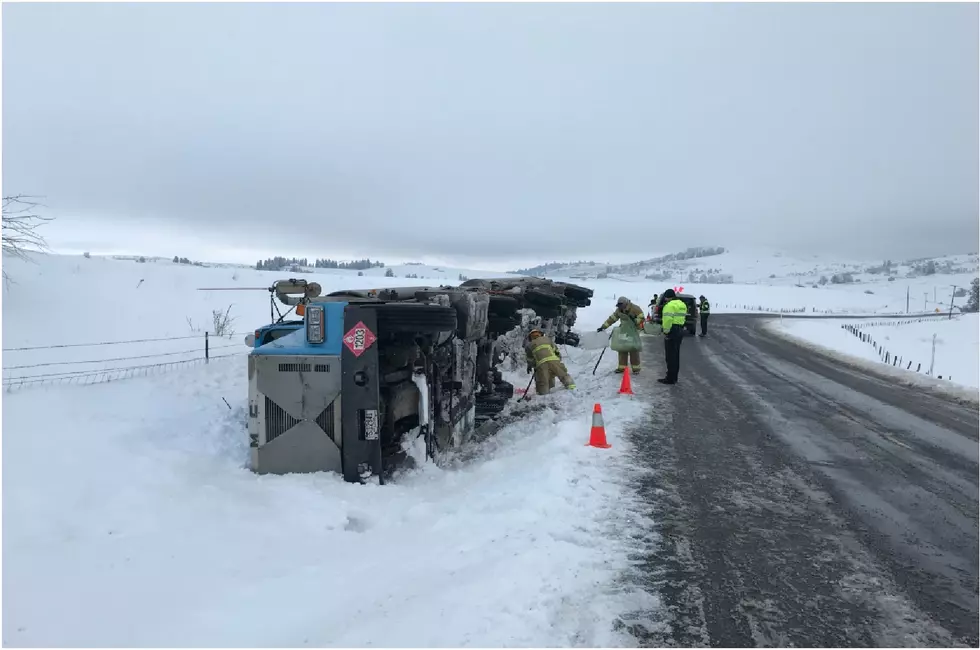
x: 341, y: 388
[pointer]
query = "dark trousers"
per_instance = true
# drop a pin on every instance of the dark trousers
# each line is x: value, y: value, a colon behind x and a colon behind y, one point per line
x: 704, y: 323
x: 672, y: 352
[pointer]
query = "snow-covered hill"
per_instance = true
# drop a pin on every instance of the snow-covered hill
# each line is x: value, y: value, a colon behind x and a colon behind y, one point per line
x: 769, y: 268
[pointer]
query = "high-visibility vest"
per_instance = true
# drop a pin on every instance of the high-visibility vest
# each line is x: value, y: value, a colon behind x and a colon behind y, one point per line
x: 674, y: 313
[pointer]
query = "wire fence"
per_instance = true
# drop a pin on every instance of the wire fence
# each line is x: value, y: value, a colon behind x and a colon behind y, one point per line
x: 61, y: 370
x: 888, y: 357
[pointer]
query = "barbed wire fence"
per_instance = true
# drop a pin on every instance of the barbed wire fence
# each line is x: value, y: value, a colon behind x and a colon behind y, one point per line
x: 886, y: 356
x: 86, y: 371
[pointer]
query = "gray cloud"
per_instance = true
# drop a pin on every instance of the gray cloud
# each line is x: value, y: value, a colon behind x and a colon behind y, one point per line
x: 510, y: 131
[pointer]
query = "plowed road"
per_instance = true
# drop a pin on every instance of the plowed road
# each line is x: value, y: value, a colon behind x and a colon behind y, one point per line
x: 800, y: 502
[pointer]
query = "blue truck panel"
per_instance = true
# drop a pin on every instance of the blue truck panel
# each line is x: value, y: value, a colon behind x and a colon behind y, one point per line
x: 295, y: 343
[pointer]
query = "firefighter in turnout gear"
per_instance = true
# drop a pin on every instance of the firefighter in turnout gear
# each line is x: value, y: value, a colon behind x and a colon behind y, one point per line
x: 705, y: 309
x: 674, y: 315
x: 544, y: 359
x: 631, y: 317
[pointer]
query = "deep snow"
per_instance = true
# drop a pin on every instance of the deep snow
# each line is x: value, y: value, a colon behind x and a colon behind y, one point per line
x: 130, y: 519
x: 957, y: 357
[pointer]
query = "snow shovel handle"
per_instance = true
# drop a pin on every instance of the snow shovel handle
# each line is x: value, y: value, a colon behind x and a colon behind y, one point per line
x: 602, y: 353
x: 527, y: 389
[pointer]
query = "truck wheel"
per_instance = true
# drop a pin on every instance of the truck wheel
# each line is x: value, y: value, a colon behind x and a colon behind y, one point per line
x: 415, y: 317
x: 502, y: 324
x: 544, y: 298
x: 578, y: 293
x: 503, y: 305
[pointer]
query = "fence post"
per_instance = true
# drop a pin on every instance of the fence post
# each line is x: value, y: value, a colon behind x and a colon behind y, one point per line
x: 207, y: 355
x: 932, y: 361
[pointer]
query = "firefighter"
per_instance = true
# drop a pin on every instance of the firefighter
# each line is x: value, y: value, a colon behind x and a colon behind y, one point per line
x: 673, y: 315
x: 544, y: 359
x: 705, y: 309
x: 630, y: 316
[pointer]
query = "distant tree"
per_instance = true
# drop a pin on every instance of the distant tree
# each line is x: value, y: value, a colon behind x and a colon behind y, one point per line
x: 177, y: 260
x: 973, y: 304
x: 87, y: 255
x: 463, y: 278
x: 141, y: 260
x: 389, y: 273
x: 20, y: 224
x: 823, y: 279
x: 360, y: 273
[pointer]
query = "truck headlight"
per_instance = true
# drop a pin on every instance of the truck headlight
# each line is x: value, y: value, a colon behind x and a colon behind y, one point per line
x: 314, y: 324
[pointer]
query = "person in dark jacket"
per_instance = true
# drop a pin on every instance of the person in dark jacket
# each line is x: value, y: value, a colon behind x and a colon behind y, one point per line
x: 705, y: 309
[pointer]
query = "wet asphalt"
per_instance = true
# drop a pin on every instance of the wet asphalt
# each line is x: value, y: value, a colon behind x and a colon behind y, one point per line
x: 800, y: 502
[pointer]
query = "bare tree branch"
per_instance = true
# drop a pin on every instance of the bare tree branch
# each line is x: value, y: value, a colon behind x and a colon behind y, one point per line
x: 20, y: 224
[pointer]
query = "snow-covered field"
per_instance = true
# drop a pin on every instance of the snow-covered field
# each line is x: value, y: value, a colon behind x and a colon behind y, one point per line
x: 770, y: 281
x: 957, y: 343
x: 129, y: 518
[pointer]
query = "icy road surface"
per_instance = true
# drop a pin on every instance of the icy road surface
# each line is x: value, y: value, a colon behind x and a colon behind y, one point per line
x: 805, y: 503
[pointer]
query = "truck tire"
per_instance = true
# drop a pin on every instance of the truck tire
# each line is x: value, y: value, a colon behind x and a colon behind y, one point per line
x: 543, y: 298
x: 503, y: 305
x: 401, y: 317
x: 502, y: 324
x: 578, y: 293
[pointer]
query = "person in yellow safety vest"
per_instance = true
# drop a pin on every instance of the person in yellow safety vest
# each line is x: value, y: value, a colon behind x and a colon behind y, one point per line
x: 705, y: 310
x: 630, y: 315
x: 544, y: 359
x: 674, y: 315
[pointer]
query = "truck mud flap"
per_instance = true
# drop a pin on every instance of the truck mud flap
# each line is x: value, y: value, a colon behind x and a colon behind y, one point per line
x: 360, y: 398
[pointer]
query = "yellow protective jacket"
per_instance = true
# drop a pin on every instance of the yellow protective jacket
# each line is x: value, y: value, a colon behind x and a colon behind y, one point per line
x: 541, y: 350
x: 674, y: 313
x: 632, y: 313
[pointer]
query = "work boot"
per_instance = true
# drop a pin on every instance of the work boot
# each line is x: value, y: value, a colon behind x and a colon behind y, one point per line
x: 620, y: 370
x: 664, y: 380
x: 570, y: 387
x: 636, y: 370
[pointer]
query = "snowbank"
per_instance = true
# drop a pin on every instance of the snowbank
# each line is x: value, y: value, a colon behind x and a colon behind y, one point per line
x: 131, y: 520
x: 957, y: 344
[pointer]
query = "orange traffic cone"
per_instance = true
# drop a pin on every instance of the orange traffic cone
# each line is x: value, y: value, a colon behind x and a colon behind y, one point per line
x: 598, y: 436
x: 626, y: 388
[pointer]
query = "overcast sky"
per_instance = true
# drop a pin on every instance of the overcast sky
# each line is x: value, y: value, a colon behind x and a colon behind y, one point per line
x: 495, y: 133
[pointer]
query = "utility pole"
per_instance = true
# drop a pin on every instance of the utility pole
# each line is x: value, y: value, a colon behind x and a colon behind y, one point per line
x: 951, y: 298
x: 935, y: 296
x: 907, y: 289
x: 925, y: 299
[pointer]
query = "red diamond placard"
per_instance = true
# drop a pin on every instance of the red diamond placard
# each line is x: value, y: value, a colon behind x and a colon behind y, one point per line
x: 359, y: 339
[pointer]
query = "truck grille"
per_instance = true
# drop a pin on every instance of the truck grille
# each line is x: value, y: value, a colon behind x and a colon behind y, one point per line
x: 277, y: 420
x: 303, y: 367
x: 325, y: 420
